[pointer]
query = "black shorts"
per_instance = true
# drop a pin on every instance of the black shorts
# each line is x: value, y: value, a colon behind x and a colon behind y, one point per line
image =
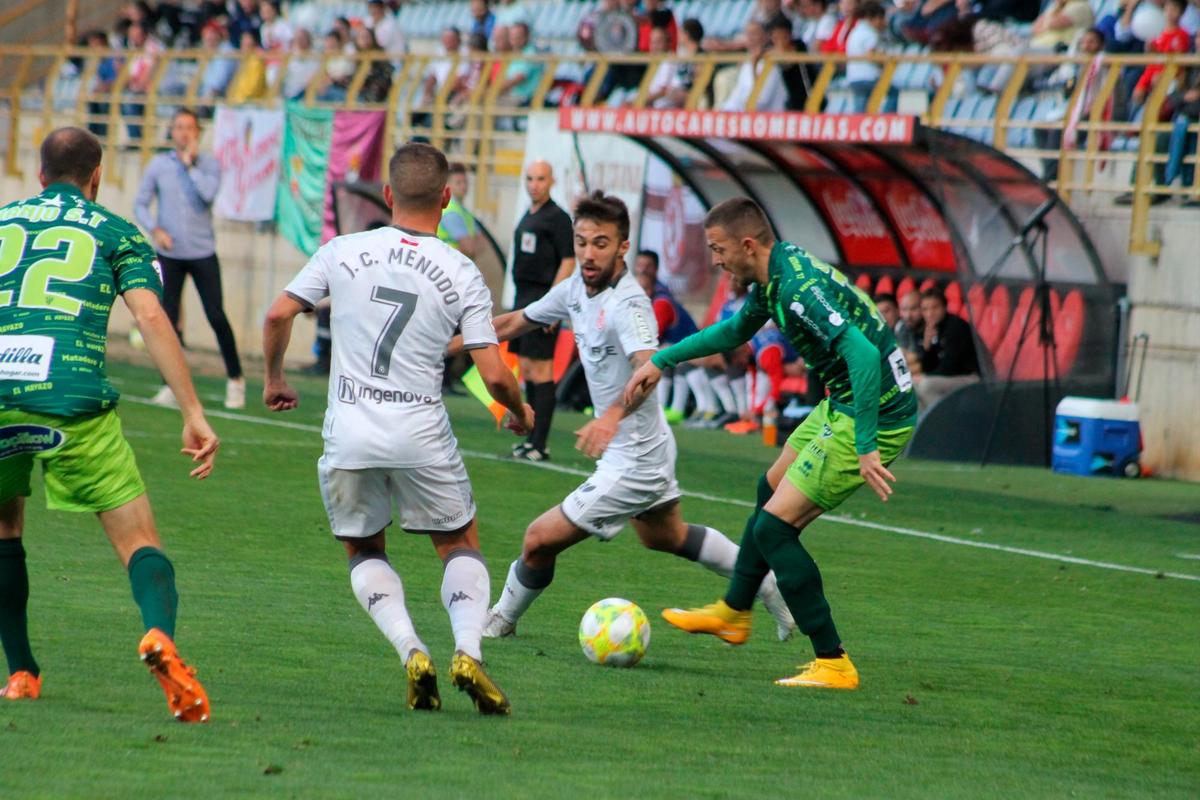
x: 536, y: 344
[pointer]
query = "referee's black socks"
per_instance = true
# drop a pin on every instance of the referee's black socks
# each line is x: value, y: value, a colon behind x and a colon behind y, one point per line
x: 542, y: 397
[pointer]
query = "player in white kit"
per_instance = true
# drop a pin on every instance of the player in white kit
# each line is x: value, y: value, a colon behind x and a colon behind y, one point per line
x: 398, y: 294
x: 634, y: 481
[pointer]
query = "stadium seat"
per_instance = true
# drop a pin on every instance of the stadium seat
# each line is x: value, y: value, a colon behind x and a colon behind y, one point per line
x: 1022, y: 112
x: 991, y: 317
x: 885, y: 285
x: 1032, y: 361
x: 1068, y: 330
x: 863, y: 282
x: 954, y: 299
x: 927, y: 284
x: 906, y: 285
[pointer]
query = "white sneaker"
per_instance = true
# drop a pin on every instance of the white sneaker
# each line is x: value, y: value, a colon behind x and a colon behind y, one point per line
x: 235, y: 393
x: 773, y: 600
x: 497, y: 627
x: 165, y: 397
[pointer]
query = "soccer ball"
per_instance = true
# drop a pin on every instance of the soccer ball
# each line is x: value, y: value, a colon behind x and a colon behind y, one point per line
x: 614, y: 632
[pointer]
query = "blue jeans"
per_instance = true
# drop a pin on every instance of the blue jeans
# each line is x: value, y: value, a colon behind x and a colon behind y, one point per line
x: 1180, y: 143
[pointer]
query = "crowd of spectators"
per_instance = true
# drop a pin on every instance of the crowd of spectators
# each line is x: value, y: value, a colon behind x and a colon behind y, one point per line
x: 262, y: 34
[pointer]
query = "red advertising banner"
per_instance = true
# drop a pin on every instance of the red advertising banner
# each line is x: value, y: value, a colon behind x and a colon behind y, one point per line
x: 861, y: 234
x: 756, y: 125
x: 922, y: 230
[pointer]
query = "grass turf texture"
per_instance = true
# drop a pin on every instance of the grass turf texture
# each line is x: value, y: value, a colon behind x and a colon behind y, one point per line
x: 984, y: 673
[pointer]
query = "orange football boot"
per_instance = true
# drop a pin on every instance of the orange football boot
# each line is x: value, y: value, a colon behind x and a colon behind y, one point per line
x: 185, y: 696
x: 22, y: 686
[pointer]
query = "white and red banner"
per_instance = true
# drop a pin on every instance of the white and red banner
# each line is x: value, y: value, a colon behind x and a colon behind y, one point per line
x: 757, y: 125
x: 247, y: 143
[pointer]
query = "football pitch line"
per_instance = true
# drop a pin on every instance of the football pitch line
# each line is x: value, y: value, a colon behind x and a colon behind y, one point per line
x: 733, y: 501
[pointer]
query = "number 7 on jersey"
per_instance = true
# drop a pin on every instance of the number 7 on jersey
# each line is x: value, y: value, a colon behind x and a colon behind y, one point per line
x: 403, y: 305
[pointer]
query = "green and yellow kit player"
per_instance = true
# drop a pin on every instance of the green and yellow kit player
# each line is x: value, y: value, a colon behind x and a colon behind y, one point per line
x: 848, y: 440
x: 63, y: 261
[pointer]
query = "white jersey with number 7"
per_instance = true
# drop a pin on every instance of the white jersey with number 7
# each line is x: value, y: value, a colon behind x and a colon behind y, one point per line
x: 397, y: 299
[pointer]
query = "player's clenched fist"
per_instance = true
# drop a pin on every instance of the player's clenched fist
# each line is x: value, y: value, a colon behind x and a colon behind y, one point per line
x: 524, y: 424
x: 280, y: 396
x: 641, y: 384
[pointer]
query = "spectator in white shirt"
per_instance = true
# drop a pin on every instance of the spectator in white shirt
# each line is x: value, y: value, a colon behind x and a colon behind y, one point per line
x: 864, y: 40
x: 303, y: 66
x: 386, y: 28
x: 666, y: 77
x: 773, y: 96
x: 814, y: 23
x: 439, y: 70
x: 276, y: 32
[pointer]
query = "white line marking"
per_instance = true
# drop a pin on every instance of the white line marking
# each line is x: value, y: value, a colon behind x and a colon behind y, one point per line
x: 712, y: 498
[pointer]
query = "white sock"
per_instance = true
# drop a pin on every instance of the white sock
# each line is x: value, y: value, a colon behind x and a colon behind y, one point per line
x: 521, y: 588
x: 680, y: 397
x: 762, y: 389
x: 717, y: 553
x: 706, y: 403
x: 720, y: 387
x: 381, y: 594
x: 664, y: 390
x: 465, y: 595
x: 738, y: 385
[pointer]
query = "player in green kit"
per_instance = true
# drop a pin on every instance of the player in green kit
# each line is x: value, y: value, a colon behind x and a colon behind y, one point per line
x: 848, y: 440
x: 63, y: 261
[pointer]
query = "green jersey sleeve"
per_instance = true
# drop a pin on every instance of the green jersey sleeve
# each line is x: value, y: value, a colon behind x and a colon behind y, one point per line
x: 822, y: 315
x: 719, y: 338
x: 134, y: 263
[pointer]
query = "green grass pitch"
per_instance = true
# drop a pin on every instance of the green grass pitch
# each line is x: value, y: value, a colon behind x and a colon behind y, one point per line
x: 985, y: 672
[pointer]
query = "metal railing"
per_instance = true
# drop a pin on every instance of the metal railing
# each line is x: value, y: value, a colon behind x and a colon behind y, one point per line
x: 481, y: 126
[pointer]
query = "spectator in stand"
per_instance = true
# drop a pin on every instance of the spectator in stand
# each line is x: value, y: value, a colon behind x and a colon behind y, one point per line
x: 690, y: 44
x: 654, y: 15
x: 523, y: 75
x: 220, y: 69
x: 1007, y: 10
x: 764, y: 11
x: 378, y: 81
x: 910, y: 330
x: 385, y: 27
x: 1063, y: 20
x: 947, y: 352
x: 1173, y: 39
x: 814, y: 23
x: 243, y: 17
x: 501, y: 43
x: 469, y: 79
x: 106, y: 75
x: 482, y: 20
x: 276, y: 32
x: 661, y: 91
x: 339, y: 70
x: 848, y: 13
x: 345, y: 31
x: 441, y: 72
x: 1190, y: 21
x: 250, y: 82
x: 773, y: 96
x: 1065, y: 78
x: 921, y: 26
x: 141, y: 72
x: 796, y: 78
x: 864, y: 40
x: 888, y: 309
x: 302, y: 68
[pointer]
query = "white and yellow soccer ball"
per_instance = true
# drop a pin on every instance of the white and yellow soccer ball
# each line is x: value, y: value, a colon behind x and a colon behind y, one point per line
x: 614, y: 632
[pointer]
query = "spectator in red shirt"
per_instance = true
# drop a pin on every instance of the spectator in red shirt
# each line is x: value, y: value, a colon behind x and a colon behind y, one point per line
x: 654, y: 15
x: 836, y: 43
x: 1173, y: 39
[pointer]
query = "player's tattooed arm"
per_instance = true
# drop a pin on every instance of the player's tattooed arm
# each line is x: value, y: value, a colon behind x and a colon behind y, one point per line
x: 594, y: 437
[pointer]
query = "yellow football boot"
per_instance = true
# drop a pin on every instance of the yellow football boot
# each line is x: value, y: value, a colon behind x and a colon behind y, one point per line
x: 717, y: 618
x: 825, y: 673
x: 469, y: 676
x: 422, y: 682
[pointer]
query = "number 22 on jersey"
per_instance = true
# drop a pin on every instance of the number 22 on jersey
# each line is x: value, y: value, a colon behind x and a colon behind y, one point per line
x: 74, y: 265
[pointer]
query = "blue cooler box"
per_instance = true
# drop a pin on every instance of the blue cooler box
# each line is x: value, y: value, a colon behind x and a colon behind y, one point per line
x: 1097, y: 437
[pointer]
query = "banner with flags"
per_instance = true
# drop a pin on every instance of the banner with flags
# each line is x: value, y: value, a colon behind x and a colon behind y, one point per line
x: 307, y: 135
x: 247, y: 144
x: 355, y: 154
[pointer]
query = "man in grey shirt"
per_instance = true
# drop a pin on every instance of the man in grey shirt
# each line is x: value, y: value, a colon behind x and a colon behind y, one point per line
x: 183, y: 183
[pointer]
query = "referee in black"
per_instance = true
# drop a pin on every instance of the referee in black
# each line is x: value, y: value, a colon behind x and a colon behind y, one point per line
x: 543, y: 255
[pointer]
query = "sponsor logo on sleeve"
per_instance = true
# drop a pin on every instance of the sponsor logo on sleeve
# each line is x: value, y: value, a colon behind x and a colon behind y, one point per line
x: 641, y: 327
x: 25, y: 358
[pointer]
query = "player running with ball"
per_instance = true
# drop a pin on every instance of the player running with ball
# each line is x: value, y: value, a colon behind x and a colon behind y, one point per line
x: 848, y: 440
x: 634, y: 480
x: 398, y: 294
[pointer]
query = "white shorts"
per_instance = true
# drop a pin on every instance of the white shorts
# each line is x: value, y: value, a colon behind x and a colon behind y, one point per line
x: 613, y: 494
x: 433, y: 498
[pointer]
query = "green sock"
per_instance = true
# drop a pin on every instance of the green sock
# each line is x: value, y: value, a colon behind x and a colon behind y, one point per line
x: 153, y: 580
x: 799, y: 581
x: 750, y: 567
x: 14, y: 599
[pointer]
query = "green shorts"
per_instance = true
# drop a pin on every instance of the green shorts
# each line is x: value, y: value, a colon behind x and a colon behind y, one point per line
x: 826, y: 465
x: 86, y: 462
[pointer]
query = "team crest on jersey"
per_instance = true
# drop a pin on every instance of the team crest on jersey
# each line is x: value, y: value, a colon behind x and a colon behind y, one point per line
x: 600, y: 321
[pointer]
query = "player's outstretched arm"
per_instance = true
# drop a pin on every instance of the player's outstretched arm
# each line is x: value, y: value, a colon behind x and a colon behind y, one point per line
x: 502, y: 386
x: 199, y: 440
x: 508, y: 327
x: 277, y: 332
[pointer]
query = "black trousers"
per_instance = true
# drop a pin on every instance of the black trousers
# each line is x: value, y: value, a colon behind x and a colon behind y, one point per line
x: 206, y: 274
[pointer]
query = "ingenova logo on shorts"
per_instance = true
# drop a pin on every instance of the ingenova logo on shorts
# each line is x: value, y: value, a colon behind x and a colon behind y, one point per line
x: 17, y: 439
